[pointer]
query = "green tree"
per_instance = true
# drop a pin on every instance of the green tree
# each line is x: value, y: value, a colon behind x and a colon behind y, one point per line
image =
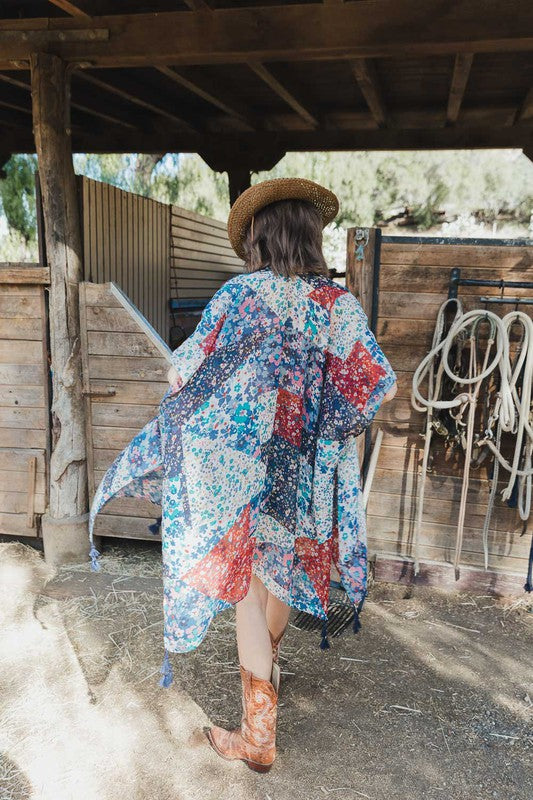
x: 17, y: 195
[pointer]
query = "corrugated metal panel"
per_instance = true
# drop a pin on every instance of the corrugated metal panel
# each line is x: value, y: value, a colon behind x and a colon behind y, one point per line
x: 126, y: 240
x: 201, y: 257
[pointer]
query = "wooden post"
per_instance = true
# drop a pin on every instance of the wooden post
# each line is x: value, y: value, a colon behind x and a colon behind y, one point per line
x: 239, y: 179
x: 363, y: 247
x: 68, y: 468
x: 360, y: 259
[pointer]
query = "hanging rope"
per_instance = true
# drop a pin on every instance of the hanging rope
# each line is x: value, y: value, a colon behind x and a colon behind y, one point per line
x: 511, y: 412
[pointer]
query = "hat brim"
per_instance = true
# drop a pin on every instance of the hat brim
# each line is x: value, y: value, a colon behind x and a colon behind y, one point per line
x: 262, y: 194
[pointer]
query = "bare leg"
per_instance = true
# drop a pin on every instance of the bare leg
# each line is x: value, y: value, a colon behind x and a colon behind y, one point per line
x: 277, y: 615
x: 253, y: 641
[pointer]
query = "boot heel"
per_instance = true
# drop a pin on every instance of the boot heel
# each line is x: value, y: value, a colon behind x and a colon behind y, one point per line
x: 258, y: 767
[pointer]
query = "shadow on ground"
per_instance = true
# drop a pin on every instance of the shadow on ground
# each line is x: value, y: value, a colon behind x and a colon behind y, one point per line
x: 431, y: 699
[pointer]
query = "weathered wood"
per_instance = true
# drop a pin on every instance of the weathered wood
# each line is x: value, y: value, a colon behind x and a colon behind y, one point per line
x: 238, y: 111
x: 239, y: 179
x: 20, y: 273
x: 30, y: 497
x: 444, y: 555
x: 50, y: 103
x: 15, y: 525
x: 366, y: 76
x: 266, y: 75
x: 71, y: 8
x: 15, y: 352
x: 136, y: 100
x: 398, y: 278
x: 22, y: 396
x: 519, y: 259
x: 16, y: 417
x: 461, y: 71
x: 123, y: 527
x: 128, y: 344
x: 110, y: 368
x: 471, y: 579
x: 360, y: 264
x: 237, y: 35
x: 120, y: 415
x: 14, y: 304
x: 17, y: 375
x: 413, y: 283
x: 23, y: 437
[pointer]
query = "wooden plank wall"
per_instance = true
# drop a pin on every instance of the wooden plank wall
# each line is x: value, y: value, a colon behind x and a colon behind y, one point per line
x: 201, y: 256
x: 126, y: 240
x: 126, y: 377
x: 413, y: 283
x: 24, y: 403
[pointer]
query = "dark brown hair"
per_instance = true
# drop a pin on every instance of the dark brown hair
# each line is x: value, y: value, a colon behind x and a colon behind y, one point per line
x: 287, y: 237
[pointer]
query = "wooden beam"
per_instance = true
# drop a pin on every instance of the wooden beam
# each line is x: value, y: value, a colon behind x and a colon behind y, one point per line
x: 461, y: 71
x: 239, y: 179
x: 138, y: 101
x: 232, y: 108
x: 164, y: 139
x: 86, y: 110
x: 198, y: 5
x: 525, y: 112
x: 286, y: 32
x: 50, y: 102
x: 366, y: 76
x: 262, y: 72
x: 70, y: 8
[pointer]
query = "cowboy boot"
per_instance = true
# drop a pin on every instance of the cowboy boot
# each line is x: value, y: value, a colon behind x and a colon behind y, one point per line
x: 255, y: 741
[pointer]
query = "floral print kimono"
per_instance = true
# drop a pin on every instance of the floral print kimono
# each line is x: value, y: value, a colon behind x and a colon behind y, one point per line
x: 252, y: 455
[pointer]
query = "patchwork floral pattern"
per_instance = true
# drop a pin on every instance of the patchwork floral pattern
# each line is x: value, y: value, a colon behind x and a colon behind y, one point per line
x: 252, y: 455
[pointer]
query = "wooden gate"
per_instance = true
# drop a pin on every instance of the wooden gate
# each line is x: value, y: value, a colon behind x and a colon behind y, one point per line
x: 413, y: 275
x: 24, y: 398
x: 125, y: 365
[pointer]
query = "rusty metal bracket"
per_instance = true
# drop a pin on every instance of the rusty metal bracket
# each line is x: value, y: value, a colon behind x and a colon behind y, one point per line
x: 110, y: 392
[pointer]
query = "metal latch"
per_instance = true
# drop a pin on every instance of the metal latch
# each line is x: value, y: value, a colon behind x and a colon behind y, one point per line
x: 109, y: 392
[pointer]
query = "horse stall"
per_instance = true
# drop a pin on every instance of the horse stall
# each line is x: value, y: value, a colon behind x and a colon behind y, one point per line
x: 149, y: 269
x: 402, y: 282
x: 24, y: 398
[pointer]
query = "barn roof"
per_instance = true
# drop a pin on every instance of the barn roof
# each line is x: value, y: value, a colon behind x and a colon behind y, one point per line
x: 252, y: 79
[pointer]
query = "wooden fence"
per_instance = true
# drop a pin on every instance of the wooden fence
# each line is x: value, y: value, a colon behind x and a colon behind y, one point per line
x: 24, y: 398
x: 126, y: 240
x: 124, y: 378
x: 413, y: 282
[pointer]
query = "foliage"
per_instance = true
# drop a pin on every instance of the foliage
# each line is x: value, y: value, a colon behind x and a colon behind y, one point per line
x: 17, y: 196
x: 486, y: 191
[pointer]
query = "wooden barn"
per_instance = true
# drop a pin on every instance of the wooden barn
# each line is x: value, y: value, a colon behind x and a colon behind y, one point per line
x: 240, y: 84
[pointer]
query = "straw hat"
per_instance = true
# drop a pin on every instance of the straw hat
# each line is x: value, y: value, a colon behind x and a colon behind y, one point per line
x: 262, y: 194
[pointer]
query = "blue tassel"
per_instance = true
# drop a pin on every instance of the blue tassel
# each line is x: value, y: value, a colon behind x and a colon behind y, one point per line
x: 166, y: 672
x: 155, y: 527
x: 356, y: 622
x: 324, y: 644
x: 528, y: 585
x: 94, y: 555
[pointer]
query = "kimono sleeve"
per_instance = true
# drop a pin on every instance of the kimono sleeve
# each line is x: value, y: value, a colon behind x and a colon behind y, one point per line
x: 188, y: 357
x: 359, y: 370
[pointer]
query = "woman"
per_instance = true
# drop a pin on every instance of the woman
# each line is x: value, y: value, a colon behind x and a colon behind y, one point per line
x: 253, y: 456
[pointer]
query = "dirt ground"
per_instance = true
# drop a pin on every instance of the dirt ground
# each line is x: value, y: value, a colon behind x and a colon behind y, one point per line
x: 431, y: 699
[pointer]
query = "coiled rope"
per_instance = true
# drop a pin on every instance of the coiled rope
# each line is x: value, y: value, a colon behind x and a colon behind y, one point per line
x: 511, y: 412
